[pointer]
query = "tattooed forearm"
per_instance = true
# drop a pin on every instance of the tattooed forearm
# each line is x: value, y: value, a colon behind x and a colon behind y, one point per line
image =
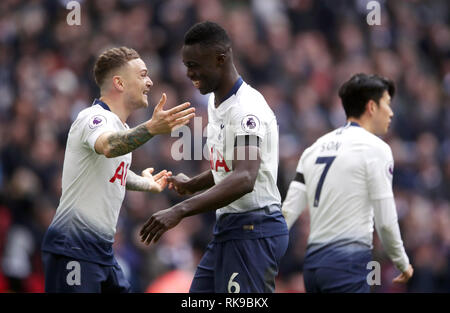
x: 136, y: 182
x: 123, y: 142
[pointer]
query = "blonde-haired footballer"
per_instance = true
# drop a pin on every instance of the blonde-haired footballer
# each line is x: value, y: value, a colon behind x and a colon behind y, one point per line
x: 77, y: 248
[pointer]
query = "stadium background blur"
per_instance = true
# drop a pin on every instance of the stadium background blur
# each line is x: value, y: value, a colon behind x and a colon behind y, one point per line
x: 297, y: 53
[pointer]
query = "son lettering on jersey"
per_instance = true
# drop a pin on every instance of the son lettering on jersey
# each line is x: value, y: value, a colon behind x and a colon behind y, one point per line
x: 216, y: 163
x: 121, y: 174
x: 330, y: 146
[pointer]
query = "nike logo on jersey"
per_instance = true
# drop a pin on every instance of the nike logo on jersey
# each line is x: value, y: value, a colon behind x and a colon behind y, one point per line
x: 220, y: 133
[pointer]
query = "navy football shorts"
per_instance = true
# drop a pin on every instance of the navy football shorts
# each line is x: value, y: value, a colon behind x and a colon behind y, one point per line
x: 331, y: 280
x: 338, y: 267
x: 68, y: 275
x: 240, y: 266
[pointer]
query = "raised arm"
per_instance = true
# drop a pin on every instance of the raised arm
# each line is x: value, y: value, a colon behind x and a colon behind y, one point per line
x: 114, y: 144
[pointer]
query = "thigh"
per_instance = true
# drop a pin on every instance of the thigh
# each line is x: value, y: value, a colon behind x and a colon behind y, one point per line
x: 341, y: 281
x: 204, y: 275
x: 69, y: 275
x: 249, y: 265
x: 116, y: 281
x: 309, y: 278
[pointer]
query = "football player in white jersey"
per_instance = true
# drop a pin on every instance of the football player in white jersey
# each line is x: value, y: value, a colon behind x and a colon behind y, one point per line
x: 77, y: 248
x: 345, y: 179
x: 250, y: 234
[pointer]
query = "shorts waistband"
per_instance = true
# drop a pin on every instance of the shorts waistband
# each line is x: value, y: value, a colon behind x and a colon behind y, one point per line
x: 269, y: 209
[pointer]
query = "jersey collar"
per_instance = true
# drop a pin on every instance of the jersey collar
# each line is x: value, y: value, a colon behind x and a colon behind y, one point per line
x: 102, y: 104
x: 353, y: 124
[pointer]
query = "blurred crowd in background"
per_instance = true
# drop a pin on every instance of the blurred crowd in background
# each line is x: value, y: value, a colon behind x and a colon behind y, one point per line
x: 297, y: 53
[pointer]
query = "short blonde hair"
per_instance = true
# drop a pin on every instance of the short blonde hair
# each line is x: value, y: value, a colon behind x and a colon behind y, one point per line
x: 110, y: 60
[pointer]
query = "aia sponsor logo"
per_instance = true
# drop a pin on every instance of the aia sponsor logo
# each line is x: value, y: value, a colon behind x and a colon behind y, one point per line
x: 120, y: 174
x: 217, y: 161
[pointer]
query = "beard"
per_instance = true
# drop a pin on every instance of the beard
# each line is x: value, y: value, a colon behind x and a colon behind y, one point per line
x: 137, y: 102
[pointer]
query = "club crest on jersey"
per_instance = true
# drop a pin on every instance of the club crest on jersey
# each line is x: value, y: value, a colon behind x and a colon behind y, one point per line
x: 96, y: 121
x: 250, y: 123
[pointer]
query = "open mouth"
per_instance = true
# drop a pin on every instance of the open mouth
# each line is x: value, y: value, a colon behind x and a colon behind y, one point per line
x: 196, y: 83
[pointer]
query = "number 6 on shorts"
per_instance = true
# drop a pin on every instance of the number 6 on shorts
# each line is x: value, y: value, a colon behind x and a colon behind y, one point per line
x: 234, y: 284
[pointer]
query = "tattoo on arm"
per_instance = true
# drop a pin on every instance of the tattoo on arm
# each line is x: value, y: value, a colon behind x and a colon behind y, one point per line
x: 136, y: 182
x: 124, y: 142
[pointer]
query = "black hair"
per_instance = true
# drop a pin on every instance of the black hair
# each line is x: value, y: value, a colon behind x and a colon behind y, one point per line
x: 358, y: 90
x: 208, y: 34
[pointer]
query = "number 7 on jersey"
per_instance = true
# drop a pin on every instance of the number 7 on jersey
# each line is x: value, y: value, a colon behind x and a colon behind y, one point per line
x: 327, y: 161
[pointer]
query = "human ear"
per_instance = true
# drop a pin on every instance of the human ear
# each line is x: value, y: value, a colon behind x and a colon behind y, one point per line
x: 371, y: 106
x: 118, y: 83
x: 221, y: 58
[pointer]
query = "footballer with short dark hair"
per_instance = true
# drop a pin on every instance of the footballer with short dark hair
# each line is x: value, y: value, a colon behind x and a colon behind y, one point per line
x: 250, y: 234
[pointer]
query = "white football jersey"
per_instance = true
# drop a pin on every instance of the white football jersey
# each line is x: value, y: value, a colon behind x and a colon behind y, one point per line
x: 343, y: 171
x: 93, y: 188
x: 245, y: 112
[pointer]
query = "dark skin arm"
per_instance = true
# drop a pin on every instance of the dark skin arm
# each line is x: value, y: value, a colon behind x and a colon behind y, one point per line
x: 240, y: 182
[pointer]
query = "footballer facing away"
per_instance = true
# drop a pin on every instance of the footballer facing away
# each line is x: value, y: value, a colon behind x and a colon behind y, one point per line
x: 250, y: 234
x: 77, y: 247
x: 345, y: 178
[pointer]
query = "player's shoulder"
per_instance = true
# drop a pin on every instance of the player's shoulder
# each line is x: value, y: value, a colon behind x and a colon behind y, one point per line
x: 374, y: 144
x: 250, y: 101
x: 91, y: 110
x: 315, y: 145
x: 94, y: 116
x: 325, y: 137
x: 251, y: 96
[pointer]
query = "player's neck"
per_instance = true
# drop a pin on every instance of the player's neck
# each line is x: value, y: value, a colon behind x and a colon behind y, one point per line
x: 363, y: 122
x: 117, y: 107
x: 226, y: 85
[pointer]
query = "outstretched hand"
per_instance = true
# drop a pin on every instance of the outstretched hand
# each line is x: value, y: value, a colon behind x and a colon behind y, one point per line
x: 163, y: 122
x: 156, y: 182
x: 180, y: 184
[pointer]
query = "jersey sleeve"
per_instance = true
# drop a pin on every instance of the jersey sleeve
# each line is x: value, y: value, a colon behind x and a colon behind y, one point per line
x: 246, y: 123
x: 296, y: 198
x: 379, y: 172
x: 93, y: 125
x: 386, y: 223
x: 299, y: 169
